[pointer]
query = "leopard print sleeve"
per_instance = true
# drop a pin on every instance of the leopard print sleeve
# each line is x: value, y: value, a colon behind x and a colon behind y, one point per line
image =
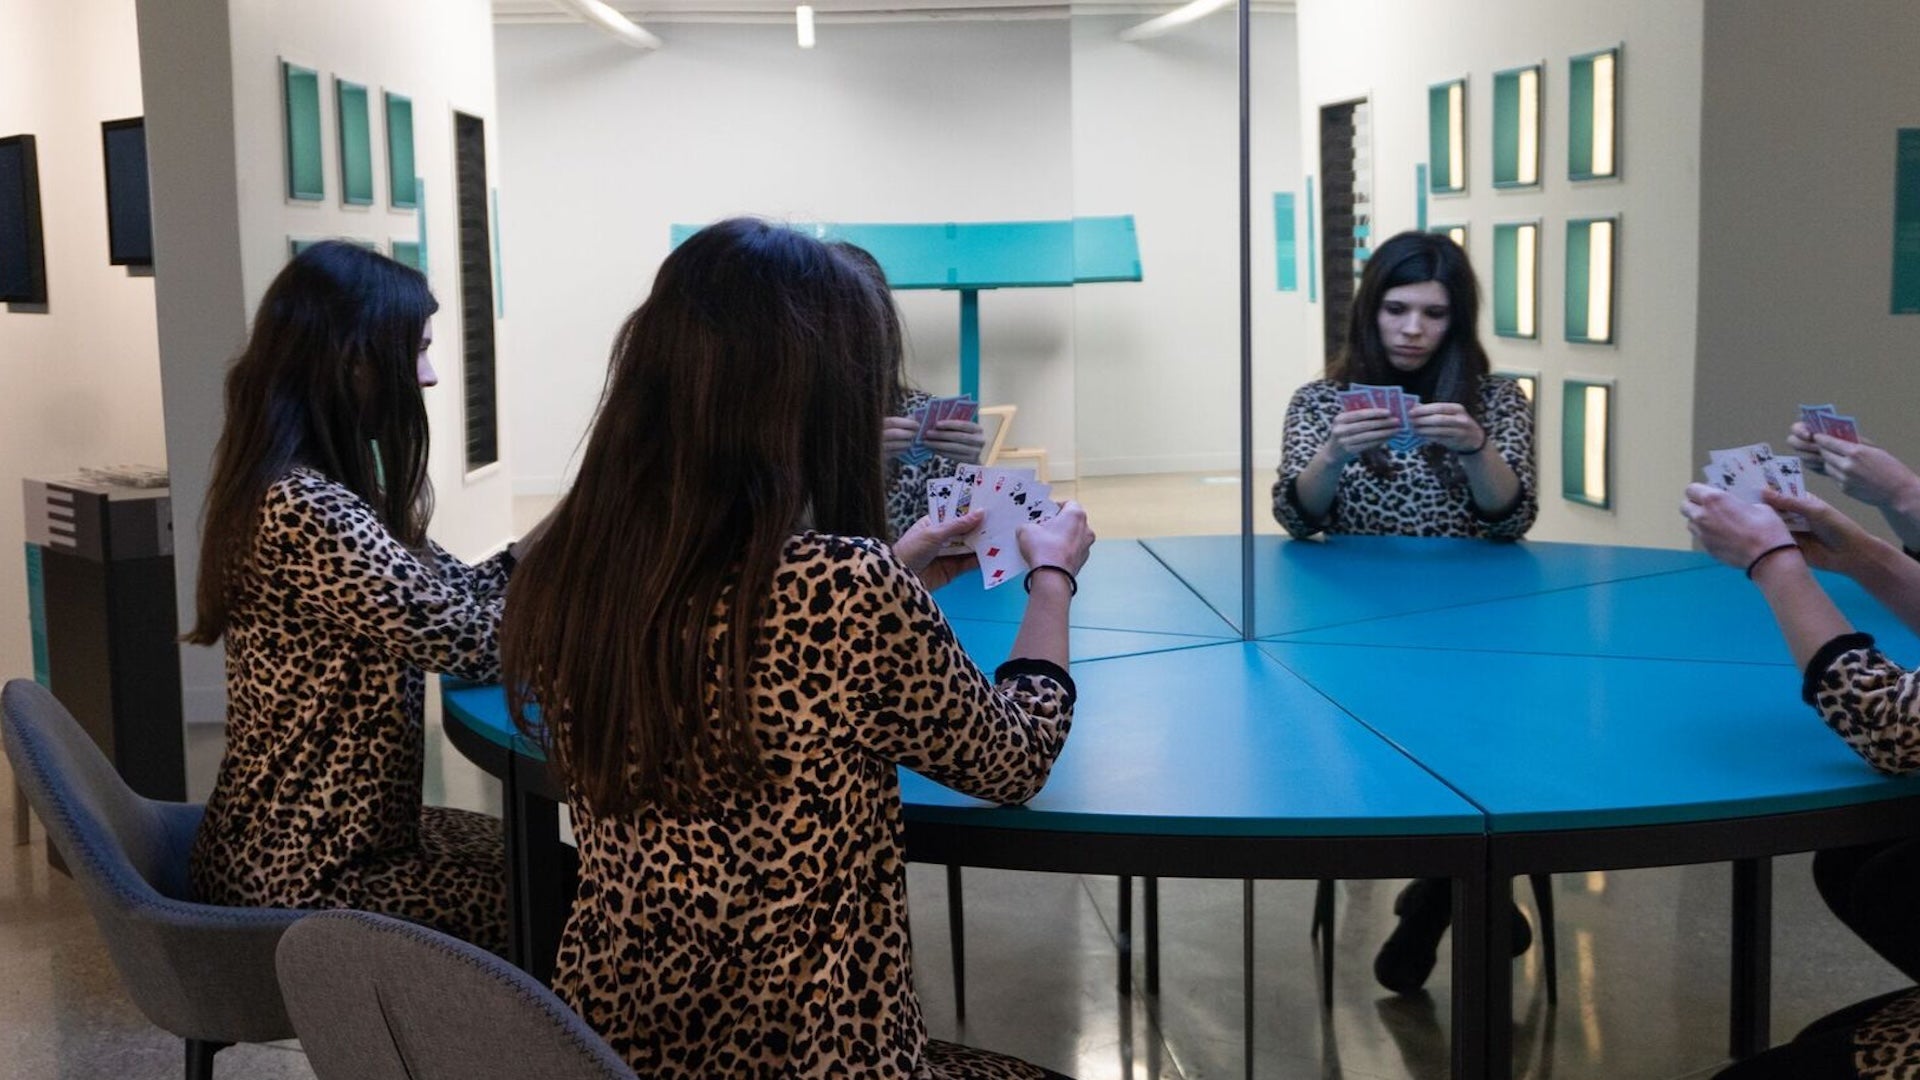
x: 1309, y: 423
x: 1509, y: 417
x: 485, y: 579
x: 323, y: 545
x: 907, y: 484
x: 1869, y: 701
x: 912, y: 696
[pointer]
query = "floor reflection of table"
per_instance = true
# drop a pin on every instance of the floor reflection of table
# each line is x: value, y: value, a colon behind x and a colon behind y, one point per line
x: 1415, y: 708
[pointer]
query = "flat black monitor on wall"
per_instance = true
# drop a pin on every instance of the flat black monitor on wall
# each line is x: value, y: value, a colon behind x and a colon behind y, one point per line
x: 129, y: 207
x: 23, y: 259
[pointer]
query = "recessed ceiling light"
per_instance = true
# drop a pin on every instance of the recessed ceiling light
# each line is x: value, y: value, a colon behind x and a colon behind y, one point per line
x: 803, y: 24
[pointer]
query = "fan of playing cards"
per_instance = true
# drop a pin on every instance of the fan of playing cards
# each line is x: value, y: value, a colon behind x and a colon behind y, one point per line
x: 1391, y: 398
x: 1010, y: 497
x: 1826, y: 420
x: 934, y: 411
x: 1746, y: 471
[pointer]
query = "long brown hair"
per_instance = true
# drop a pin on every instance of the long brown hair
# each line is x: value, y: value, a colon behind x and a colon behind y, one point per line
x: 328, y: 380
x: 1458, y: 365
x: 744, y: 395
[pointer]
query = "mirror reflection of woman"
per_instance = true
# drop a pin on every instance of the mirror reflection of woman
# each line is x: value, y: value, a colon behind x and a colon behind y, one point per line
x: 317, y: 572
x: 731, y: 669
x: 1413, y: 326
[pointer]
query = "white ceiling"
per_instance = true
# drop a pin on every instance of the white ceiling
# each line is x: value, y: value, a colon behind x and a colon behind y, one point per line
x: 661, y: 11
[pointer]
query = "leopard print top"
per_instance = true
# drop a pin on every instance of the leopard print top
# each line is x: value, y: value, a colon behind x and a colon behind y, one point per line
x: 1416, y: 500
x: 1875, y: 706
x: 907, y: 484
x: 768, y: 937
x: 318, y: 800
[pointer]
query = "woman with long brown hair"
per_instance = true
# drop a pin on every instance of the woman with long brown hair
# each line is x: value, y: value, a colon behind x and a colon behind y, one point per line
x: 729, y: 671
x: 1413, y: 327
x: 316, y: 570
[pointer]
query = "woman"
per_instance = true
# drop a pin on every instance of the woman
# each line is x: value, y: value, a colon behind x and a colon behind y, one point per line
x: 951, y: 443
x: 316, y: 570
x: 729, y: 707
x: 1413, y: 326
x: 1866, y: 699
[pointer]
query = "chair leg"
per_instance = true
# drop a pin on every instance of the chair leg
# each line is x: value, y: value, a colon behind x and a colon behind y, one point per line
x: 1323, y: 932
x: 22, y: 823
x: 1125, y: 935
x: 1543, y: 907
x: 957, y: 933
x: 200, y: 1058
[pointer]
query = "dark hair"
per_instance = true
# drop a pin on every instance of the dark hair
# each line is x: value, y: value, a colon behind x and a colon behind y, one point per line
x: 1458, y: 365
x: 895, y: 342
x: 745, y: 394
x: 328, y: 380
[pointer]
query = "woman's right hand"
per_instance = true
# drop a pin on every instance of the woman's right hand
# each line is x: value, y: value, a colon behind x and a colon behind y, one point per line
x: 1356, y: 432
x: 1062, y: 541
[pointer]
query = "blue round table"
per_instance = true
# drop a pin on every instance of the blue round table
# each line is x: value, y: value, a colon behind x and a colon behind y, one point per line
x: 1401, y: 708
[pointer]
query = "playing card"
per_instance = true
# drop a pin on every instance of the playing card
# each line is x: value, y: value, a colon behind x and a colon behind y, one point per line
x: 1842, y: 427
x: 941, y: 495
x: 1354, y: 400
x: 1783, y: 475
x: 1745, y: 472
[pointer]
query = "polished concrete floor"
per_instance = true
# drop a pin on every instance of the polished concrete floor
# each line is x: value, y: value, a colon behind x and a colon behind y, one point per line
x: 1643, y: 975
x: 1643, y: 954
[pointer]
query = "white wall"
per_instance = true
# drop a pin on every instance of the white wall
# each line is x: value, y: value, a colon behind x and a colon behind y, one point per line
x: 81, y: 376
x: 1156, y: 134
x: 222, y: 217
x: 1391, y: 51
x: 1796, y: 191
x: 607, y: 148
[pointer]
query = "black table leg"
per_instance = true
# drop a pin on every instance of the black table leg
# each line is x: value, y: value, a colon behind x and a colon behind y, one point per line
x: 542, y: 874
x: 957, y: 933
x: 1750, y: 1018
x: 1152, y: 886
x: 1482, y: 980
x: 1246, y: 967
x: 1124, y: 937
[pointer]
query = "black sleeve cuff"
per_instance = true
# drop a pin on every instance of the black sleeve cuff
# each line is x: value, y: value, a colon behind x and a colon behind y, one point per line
x: 1910, y: 553
x: 1824, y: 658
x: 1290, y: 492
x: 1023, y: 665
x: 1505, y: 512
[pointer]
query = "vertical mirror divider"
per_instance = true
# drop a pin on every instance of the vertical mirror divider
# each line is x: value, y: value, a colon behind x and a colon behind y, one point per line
x: 1247, y: 630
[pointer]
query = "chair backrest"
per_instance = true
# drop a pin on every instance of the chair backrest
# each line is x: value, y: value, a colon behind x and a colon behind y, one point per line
x: 199, y: 971
x: 996, y: 421
x: 379, y: 998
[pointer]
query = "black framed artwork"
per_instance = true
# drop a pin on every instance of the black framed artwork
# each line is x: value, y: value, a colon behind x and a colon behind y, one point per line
x: 23, y: 258
x: 129, y: 203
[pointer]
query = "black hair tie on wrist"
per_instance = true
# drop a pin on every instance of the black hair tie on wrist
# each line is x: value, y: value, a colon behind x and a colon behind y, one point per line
x: 1073, y: 584
x: 1485, y: 437
x: 1774, y: 550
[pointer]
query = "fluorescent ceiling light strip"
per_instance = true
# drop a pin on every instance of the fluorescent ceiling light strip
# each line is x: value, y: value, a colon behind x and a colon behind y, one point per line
x: 803, y: 25
x: 1172, y: 20
x: 599, y: 13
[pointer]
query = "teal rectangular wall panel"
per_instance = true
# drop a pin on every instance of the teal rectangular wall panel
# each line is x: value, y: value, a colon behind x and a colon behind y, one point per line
x: 1286, y: 270
x: 403, y: 192
x: 1586, y: 468
x: 1906, y: 223
x: 306, y: 176
x: 356, y: 143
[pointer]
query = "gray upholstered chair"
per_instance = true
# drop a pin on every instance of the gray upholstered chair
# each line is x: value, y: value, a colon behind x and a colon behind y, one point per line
x: 204, y: 973
x: 379, y: 998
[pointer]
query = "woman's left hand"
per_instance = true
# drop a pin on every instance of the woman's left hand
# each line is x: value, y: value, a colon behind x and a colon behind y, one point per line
x: 1449, y: 424
x: 1732, y: 531
x: 958, y: 440
x: 933, y: 551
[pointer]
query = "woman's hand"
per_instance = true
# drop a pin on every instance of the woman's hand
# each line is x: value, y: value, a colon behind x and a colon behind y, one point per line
x: 925, y: 548
x: 1732, y: 531
x: 959, y: 440
x: 1062, y: 541
x: 1356, y: 432
x: 1834, y: 540
x: 1800, y: 441
x: 1866, y: 472
x: 1449, y: 424
x: 896, y: 434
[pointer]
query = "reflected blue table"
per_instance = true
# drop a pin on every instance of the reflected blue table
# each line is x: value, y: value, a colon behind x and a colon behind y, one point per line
x: 1430, y: 708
